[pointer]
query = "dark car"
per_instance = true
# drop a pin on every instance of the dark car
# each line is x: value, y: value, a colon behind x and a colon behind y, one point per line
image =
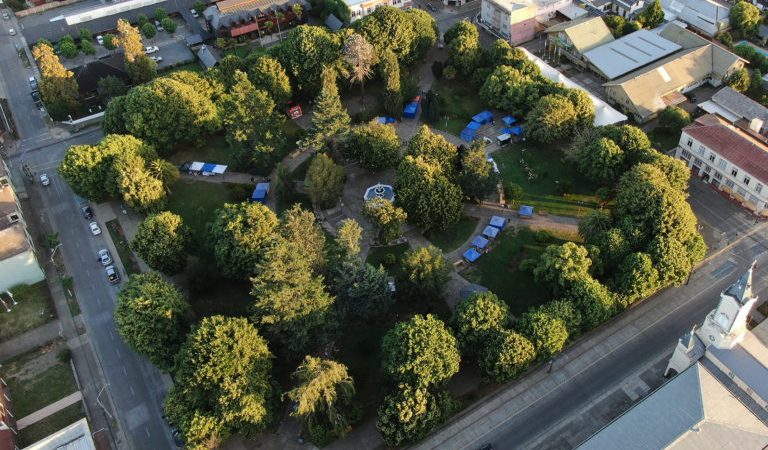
x: 36, y: 98
x: 431, y: 7
x: 112, y: 275
x: 178, y: 441
x: 87, y: 212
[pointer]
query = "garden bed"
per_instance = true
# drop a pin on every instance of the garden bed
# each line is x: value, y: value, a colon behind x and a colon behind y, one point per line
x: 123, y: 247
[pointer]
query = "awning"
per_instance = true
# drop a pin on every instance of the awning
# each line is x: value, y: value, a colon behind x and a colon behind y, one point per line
x: 490, y: 232
x: 674, y: 98
x: 498, y: 222
x: 196, y: 166
x: 479, y: 242
x: 713, y: 108
x: 471, y: 255
x: 525, y: 211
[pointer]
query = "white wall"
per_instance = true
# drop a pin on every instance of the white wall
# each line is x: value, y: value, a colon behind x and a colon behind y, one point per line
x: 20, y: 269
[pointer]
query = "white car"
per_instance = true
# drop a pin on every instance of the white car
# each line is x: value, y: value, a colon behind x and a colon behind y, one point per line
x: 12, y: 32
x: 151, y: 49
x: 100, y: 39
x: 194, y: 13
x: 44, y: 180
x: 156, y: 59
x: 159, y: 26
x: 104, y: 257
x: 95, y: 230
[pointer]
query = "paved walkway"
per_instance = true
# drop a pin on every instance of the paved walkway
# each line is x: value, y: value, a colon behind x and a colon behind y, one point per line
x: 53, y: 408
x: 30, y: 340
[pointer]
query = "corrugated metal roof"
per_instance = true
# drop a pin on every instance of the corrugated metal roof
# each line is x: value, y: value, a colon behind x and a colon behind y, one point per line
x: 629, y: 53
x: 585, y: 33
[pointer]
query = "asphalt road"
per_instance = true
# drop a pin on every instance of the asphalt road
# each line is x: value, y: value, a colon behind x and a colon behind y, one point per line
x: 135, y: 386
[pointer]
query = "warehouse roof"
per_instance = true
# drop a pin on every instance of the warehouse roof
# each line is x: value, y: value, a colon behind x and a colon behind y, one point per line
x: 629, y: 53
x: 585, y: 33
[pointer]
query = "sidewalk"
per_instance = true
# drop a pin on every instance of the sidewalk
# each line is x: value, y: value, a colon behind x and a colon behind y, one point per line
x: 30, y: 340
x: 53, y: 408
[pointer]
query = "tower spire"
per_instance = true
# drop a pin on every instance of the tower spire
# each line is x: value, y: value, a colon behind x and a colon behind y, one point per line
x: 741, y: 290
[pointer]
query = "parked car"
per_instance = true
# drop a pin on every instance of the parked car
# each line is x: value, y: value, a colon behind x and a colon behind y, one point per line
x: 151, y: 49
x: 194, y: 13
x: 87, y: 212
x: 159, y: 26
x: 95, y: 230
x: 104, y: 257
x: 44, y: 180
x: 112, y: 275
x: 12, y: 32
x: 157, y: 59
x: 6, y: 16
x: 33, y: 83
x: 100, y: 39
x: 36, y: 98
x: 431, y: 7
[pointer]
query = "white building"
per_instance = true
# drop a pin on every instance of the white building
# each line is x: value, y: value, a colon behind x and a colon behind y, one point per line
x: 361, y: 8
x: 515, y: 20
x: 708, y: 17
x: 626, y: 8
x: 18, y: 263
x: 733, y: 160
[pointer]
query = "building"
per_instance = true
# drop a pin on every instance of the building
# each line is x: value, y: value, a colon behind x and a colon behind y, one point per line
x: 626, y: 8
x: 738, y: 109
x: 361, y: 8
x: 73, y: 437
x: 648, y: 90
x: 719, y: 395
x: 516, y: 20
x: 209, y: 56
x: 253, y: 18
x: 573, y: 39
x: 629, y: 53
x: 731, y: 159
x: 7, y: 433
x: 708, y: 17
x: 18, y: 262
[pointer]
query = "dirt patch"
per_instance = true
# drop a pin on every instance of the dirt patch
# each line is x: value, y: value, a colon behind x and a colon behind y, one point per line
x: 28, y: 366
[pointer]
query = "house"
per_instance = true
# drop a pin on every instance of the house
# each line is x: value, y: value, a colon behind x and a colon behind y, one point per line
x: 511, y: 19
x: 718, y: 396
x: 76, y: 436
x: 629, y: 53
x: 7, y: 433
x: 18, y: 261
x: 626, y: 8
x: 708, y: 17
x: 253, y: 18
x: 573, y: 39
x: 738, y: 109
x: 88, y: 75
x: 361, y: 8
x: 208, y: 56
x: 648, y: 90
x: 729, y: 158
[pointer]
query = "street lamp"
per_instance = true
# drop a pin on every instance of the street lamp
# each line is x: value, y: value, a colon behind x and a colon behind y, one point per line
x: 101, y: 404
x: 54, y: 251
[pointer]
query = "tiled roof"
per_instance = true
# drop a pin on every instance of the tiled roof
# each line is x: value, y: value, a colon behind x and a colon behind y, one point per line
x: 733, y: 144
x: 740, y: 104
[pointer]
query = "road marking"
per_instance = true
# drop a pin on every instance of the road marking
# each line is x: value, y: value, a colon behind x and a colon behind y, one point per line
x: 111, y: 336
x: 125, y: 372
x: 98, y: 300
x: 132, y: 393
x: 118, y: 355
x: 146, y: 430
x: 82, y: 258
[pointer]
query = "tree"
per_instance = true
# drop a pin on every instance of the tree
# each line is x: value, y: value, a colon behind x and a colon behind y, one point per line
x: 323, y: 395
x: 267, y: 74
x: 476, y: 319
x: 165, y: 171
x: 87, y: 47
x: 325, y: 181
x: 141, y: 19
x: 739, y: 80
x: 547, y: 334
x: 477, y: 178
x: 389, y: 28
x: 595, y: 222
x: 561, y: 265
x: 111, y: 86
x: 57, y: 84
x: 425, y: 30
x: 637, y: 278
x: 162, y: 241
x: 239, y: 234
x: 616, y: 24
x: 284, y: 185
x: 69, y: 49
x: 629, y: 138
x: 553, y: 118
x: 431, y: 200
x: 138, y: 65
x: 390, y: 73
x: 223, y: 383
x: 348, y: 239
x: 386, y: 218
x: 674, y: 118
x: 300, y: 227
x: 595, y: 302
x: 602, y: 161
x: 566, y: 311
x: 168, y: 24
x: 513, y: 193
x: 152, y: 317
x: 745, y: 18
x: 432, y: 107
x: 409, y: 413
x: 359, y: 58
x: 227, y: 68
x: 464, y: 50
x: 505, y: 355
x: 426, y: 270
x: 306, y: 53
x: 376, y: 146
x: 509, y: 89
x: 362, y: 290
x: 199, y: 6
x: 672, y: 260
x: 148, y: 30
x: 109, y: 41
x: 291, y: 306
x: 585, y: 109
x: 421, y: 352
x: 139, y: 189
x: 435, y: 149
x: 85, y: 34
x: 143, y: 70
x: 653, y: 15
x: 160, y: 14
x: 330, y: 118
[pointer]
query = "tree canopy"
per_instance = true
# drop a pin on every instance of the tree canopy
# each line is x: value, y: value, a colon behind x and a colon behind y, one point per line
x: 266, y: 73
x: 410, y: 412
x: 602, y: 161
x: 431, y: 200
x: 386, y: 218
x: 324, y: 181
x: 330, y: 118
x: 745, y: 18
x: 476, y: 317
x: 58, y: 86
x: 547, y: 334
x: 375, y: 146
x: 162, y: 241
x: 505, y: 355
x: 239, y: 235
x: 476, y: 177
x: 306, y: 52
x: 561, y: 265
x: 426, y: 270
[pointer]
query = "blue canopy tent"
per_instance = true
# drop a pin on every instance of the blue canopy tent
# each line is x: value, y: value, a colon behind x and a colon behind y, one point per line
x: 498, y: 222
x: 468, y: 133
x: 483, y: 117
x: 260, y: 193
x: 517, y: 131
x: 509, y: 120
x: 410, y: 110
x: 491, y: 232
x: 525, y: 211
x: 480, y: 242
x: 471, y: 255
x: 506, y: 130
x: 385, y: 120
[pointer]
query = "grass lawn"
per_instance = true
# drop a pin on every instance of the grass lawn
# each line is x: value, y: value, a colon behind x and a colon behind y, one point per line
x: 663, y: 140
x: 31, y: 391
x: 190, y: 67
x: 215, y: 150
x: 454, y: 236
x: 498, y: 269
x: 553, y: 177
x: 122, y: 246
x: 226, y: 297
x: 34, y: 309
x: 460, y: 103
x: 377, y: 254
x: 352, y: 100
x: 51, y: 424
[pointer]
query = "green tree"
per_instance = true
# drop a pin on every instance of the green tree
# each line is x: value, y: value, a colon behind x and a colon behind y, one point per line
x: 616, y: 24
x: 476, y: 177
x: 138, y: 65
x: 596, y: 303
x: 266, y: 73
x: 85, y: 34
x: 362, y: 291
x: 148, y: 30
x: 390, y: 73
x: 509, y: 89
x: 227, y: 68
x: 476, y: 318
x: 561, y: 265
x: 284, y: 185
x: 566, y: 311
x: 306, y: 53
x: 653, y: 15
x: 199, y: 6
x: 300, y: 227
x: 359, y: 59
x: 160, y: 14
x: 513, y: 193
x: 409, y: 413
x: 464, y: 51
x: 325, y: 181
x: 674, y: 118
x: 169, y: 25
x: 330, y: 118
x: 553, y: 118
x: 505, y: 355
x: 637, y: 278
x: 431, y: 200
x: 602, y: 161
x: 165, y: 171
x: 323, y: 395
x: 435, y: 149
x: 594, y: 223
x: 111, y: 86
x: 739, y: 80
x: 426, y: 270
x: 672, y: 260
x: 139, y: 189
x: 547, y: 334
x: 389, y: 28
x: 58, y: 86
x: 631, y: 139
x: 110, y: 41
x: 291, y: 306
x: 239, y: 235
x: 374, y: 145
x: 348, y: 239
x: 68, y: 49
x: 426, y: 31
x: 421, y: 352
x: 152, y: 317
x: 386, y: 218
x: 162, y: 241
x: 745, y: 18
x: 223, y: 383
x: 142, y: 19
x: 87, y: 47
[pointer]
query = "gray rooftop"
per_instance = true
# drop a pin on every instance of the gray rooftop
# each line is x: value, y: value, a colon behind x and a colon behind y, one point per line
x: 333, y: 22
x: 741, y: 290
x: 208, y: 56
x: 740, y: 105
x: 631, y: 52
x: 744, y: 366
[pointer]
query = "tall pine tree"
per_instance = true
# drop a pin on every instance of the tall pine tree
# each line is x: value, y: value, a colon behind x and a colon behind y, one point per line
x: 390, y: 73
x: 330, y: 117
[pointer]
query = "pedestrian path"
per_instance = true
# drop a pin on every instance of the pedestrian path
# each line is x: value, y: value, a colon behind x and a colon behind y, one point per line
x: 30, y: 340
x: 53, y: 408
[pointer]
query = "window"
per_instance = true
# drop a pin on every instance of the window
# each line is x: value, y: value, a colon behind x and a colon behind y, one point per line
x: 718, y: 176
x: 747, y: 180
x: 753, y: 199
x: 721, y: 163
x: 734, y: 172
x: 741, y: 191
x: 690, y: 143
x: 711, y: 157
x: 13, y: 217
x: 696, y: 162
x: 758, y: 188
x: 729, y: 183
x: 701, y: 149
x: 686, y: 154
x: 707, y: 169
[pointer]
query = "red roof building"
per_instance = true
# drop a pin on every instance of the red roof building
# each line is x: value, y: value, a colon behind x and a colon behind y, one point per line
x: 7, y: 435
